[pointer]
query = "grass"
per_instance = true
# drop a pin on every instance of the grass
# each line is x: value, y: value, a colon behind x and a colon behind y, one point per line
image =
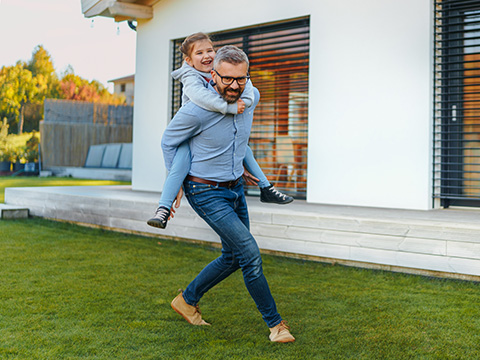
x: 26, y: 181
x: 69, y: 292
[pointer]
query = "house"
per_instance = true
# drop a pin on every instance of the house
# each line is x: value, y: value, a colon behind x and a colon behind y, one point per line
x: 125, y: 86
x: 369, y: 111
x: 351, y: 109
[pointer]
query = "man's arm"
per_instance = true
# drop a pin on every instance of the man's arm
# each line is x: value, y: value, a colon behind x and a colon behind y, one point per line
x: 182, y: 127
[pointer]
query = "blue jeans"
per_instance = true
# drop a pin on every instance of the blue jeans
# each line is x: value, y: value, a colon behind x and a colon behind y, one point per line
x: 225, y: 210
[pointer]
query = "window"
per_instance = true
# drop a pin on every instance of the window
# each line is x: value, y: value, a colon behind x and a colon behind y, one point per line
x: 123, y: 87
x: 279, y: 64
x: 457, y: 103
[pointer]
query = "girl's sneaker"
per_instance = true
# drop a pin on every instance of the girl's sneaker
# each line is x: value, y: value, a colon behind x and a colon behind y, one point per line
x: 271, y: 195
x: 160, y: 218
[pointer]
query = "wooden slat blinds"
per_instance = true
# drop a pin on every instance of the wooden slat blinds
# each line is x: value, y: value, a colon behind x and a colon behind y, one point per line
x: 279, y: 64
x: 457, y: 103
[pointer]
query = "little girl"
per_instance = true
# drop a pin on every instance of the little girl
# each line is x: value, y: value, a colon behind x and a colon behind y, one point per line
x: 194, y: 74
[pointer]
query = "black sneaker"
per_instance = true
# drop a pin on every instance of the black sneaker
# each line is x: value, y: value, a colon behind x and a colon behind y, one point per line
x: 160, y: 218
x: 272, y: 195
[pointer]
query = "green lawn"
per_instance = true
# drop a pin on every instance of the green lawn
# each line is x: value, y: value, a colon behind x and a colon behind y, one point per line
x: 69, y: 292
x: 25, y: 181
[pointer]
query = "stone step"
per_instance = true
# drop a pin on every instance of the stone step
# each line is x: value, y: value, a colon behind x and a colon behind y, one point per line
x: 13, y: 212
x: 443, y: 241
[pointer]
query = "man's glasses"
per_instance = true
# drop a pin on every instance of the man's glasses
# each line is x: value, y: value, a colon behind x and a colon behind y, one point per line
x: 228, y: 80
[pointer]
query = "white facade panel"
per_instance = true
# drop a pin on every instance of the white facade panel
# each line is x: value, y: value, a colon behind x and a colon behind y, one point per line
x: 369, y: 96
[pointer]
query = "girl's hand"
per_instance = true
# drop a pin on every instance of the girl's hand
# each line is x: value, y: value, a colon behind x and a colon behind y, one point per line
x: 249, y: 178
x: 176, y: 202
x: 240, y: 106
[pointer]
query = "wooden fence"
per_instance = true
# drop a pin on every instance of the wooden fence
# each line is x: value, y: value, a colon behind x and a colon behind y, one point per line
x: 70, y: 127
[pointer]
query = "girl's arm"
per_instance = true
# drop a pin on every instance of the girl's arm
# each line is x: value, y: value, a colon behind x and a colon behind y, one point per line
x: 247, y: 95
x: 195, y: 88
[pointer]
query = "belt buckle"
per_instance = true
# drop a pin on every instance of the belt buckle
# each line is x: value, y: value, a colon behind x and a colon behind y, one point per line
x: 232, y: 183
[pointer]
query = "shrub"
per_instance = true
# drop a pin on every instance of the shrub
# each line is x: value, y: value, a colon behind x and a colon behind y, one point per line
x: 18, y: 148
x: 5, y: 150
x: 31, y: 148
x: 6, y: 154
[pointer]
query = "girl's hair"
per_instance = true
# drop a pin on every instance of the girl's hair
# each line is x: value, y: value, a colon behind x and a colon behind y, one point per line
x: 187, y: 45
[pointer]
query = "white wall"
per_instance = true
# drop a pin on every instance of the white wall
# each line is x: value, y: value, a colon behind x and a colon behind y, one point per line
x: 129, y: 90
x: 370, y: 98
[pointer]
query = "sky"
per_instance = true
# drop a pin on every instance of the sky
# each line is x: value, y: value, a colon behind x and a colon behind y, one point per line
x: 100, y: 50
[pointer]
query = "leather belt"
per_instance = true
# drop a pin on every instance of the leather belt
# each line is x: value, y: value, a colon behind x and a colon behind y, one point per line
x: 227, y: 184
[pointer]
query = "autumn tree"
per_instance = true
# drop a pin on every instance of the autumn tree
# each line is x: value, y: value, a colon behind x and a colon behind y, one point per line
x: 28, y: 84
x: 17, y: 87
x: 73, y: 87
x: 42, y: 69
x: 25, y: 84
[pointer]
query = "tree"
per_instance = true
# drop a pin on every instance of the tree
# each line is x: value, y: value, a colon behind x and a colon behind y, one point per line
x: 43, y: 70
x: 36, y: 80
x: 74, y: 87
x: 26, y: 83
x: 17, y: 87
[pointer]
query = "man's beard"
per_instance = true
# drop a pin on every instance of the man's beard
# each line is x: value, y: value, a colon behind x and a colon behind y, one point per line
x: 230, y: 99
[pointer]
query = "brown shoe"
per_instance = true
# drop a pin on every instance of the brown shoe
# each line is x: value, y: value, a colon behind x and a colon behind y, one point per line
x: 281, y: 334
x: 190, y: 313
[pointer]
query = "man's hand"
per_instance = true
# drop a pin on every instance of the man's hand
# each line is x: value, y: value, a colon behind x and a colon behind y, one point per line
x: 249, y: 178
x: 176, y: 204
x: 240, y: 106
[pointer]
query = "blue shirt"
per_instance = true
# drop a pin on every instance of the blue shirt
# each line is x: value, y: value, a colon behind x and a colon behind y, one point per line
x: 217, y: 142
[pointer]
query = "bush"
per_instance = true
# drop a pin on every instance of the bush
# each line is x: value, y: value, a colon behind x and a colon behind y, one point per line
x: 18, y: 148
x: 6, y: 154
x: 31, y: 148
x: 5, y: 149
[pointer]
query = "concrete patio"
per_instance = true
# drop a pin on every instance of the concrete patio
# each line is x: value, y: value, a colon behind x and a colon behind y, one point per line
x: 443, y: 242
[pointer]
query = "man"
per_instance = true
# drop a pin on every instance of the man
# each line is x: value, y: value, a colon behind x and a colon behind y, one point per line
x: 214, y: 190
